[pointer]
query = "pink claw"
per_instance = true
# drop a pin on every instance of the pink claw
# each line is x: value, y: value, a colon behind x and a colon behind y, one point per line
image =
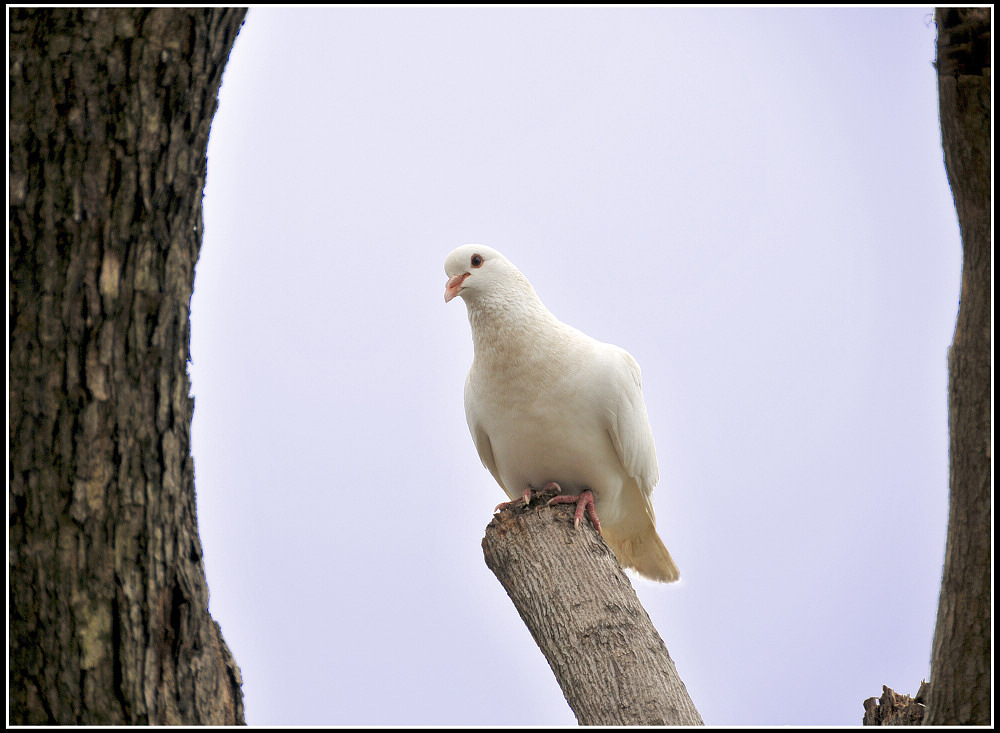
x: 584, y: 503
x: 525, y: 497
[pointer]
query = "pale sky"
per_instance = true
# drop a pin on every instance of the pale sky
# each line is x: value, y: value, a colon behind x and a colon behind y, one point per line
x: 752, y: 202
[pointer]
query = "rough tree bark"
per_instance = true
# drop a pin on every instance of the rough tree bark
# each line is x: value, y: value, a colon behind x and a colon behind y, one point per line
x: 960, y: 687
x: 583, y: 613
x: 895, y: 709
x: 960, y: 683
x: 109, y: 119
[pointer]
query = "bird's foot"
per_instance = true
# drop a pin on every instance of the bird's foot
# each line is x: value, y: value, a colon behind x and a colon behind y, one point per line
x: 525, y: 498
x: 584, y: 503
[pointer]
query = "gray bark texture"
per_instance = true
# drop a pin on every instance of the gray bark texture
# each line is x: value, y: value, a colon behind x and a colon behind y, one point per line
x: 583, y: 613
x: 895, y: 709
x: 110, y: 110
x: 961, y: 664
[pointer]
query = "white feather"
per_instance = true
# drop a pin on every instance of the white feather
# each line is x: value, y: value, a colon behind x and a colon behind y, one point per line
x: 545, y: 402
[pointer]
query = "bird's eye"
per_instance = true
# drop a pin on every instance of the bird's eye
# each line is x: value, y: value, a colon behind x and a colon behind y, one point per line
x: 477, y: 260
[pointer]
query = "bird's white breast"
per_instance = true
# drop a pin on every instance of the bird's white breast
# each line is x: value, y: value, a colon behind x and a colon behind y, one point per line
x: 549, y: 425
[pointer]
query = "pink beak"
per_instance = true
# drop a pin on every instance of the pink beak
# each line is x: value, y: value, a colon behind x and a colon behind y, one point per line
x: 453, y: 286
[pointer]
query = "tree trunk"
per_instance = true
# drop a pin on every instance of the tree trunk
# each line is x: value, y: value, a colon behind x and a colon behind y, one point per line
x: 109, y: 118
x: 960, y: 683
x: 584, y: 615
x: 895, y: 709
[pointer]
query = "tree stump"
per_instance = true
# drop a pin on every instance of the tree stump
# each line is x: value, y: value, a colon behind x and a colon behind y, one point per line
x: 583, y: 613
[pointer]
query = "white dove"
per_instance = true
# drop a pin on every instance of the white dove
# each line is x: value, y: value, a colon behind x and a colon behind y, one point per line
x: 549, y: 406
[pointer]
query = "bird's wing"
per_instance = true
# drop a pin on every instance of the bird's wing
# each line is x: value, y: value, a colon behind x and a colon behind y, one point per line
x: 629, y: 425
x: 480, y: 437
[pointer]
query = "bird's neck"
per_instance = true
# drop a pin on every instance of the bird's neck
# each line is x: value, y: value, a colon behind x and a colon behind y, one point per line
x: 511, y: 330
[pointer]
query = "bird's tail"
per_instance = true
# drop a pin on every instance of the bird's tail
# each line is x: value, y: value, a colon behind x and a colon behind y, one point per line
x: 642, y: 550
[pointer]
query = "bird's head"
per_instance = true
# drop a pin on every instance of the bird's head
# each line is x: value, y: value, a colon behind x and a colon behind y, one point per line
x: 474, y: 270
